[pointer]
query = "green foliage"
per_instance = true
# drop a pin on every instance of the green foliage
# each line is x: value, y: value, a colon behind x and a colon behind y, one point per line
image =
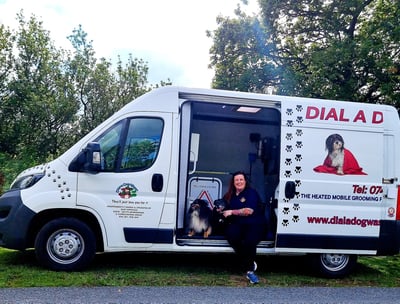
x: 41, y: 101
x: 11, y: 166
x: 50, y: 97
x: 239, y: 55
x: 331, y: 49
x: 138, y: 154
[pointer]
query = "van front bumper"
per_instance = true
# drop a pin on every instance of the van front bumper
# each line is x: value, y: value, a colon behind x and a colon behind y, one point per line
x: 15, y: 218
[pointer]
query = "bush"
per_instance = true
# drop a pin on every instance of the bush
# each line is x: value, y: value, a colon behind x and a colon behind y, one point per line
x: 10, y: 167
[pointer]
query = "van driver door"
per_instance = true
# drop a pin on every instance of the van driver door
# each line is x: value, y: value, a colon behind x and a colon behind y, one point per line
x: 128, y: 195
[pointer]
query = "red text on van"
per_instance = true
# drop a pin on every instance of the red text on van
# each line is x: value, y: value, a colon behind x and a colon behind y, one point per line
x: 340, y: 115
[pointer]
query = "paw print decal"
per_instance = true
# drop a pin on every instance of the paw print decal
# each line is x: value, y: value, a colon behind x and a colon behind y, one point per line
x: 297, y: 182
x: 295, y: 218
x: 286, y: 200
x: 299, y: 144
x: 286, y: 210
x: 289, y: 148
x: 298, y: 157
x: 296, y: 207
x: 297, y: 194
x: 299, y: 119
x: 288, y: 173
x: 299, y: 108
x: 298, y: 169
x: 285, y: 223
x: 299, y: 132
x: 289, y: 123
x: 289, y: 112
x: 289, y: 136
x: 288, y: 161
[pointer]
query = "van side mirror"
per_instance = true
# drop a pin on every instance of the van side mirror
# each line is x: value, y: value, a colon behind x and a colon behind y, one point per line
x: 88, y: 160
x: 290, y: 189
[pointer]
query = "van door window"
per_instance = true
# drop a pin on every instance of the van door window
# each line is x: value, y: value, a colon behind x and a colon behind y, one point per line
x: 109, y: 145
x: 142, y: 143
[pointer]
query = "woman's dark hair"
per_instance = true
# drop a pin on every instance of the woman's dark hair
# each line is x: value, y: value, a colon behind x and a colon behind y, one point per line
x: 231, y: 188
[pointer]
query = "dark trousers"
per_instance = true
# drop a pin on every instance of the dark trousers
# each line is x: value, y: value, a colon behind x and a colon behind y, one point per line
x: 244, y: 239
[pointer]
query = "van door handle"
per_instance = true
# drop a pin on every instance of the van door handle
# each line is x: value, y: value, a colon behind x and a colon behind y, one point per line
x: 157, y: 182
x: 389, y: 180
x: 290, y: 189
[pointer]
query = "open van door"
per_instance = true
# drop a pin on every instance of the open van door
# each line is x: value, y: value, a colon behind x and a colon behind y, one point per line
x: 324, y: 207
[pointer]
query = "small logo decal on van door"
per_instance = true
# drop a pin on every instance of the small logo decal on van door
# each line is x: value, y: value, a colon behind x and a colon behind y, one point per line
x: 126, y: 190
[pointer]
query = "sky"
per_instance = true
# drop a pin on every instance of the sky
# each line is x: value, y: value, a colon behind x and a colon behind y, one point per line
x: 169, y: 35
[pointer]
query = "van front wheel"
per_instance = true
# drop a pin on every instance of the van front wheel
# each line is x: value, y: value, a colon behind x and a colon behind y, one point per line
x: 65, y: 244
x: 332, y: 265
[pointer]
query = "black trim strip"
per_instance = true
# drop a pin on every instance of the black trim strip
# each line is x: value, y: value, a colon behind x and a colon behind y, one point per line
x: 327, y: 242
x: 147, y: 235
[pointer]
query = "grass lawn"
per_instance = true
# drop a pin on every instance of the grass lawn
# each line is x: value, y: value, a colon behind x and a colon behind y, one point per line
x: 20, y: 269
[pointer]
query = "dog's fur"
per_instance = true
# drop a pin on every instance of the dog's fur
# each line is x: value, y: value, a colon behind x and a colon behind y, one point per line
x: 335, y: 146
x: 199, y: 218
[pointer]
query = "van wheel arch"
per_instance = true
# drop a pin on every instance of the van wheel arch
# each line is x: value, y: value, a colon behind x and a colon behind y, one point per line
x: 45, y: 216
x: 332, y: 265
x: 65, y: 244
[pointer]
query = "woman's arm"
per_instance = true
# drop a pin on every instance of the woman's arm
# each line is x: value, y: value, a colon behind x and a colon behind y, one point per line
x: 238, y: 212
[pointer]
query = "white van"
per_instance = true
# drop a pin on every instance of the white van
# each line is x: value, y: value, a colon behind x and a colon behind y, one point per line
x: 326, y: 170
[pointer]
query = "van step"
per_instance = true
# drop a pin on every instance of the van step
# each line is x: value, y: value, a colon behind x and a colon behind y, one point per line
x: 215, y: 242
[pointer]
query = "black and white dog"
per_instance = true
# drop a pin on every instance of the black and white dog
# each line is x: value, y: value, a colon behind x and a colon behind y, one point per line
x: 335, y: 146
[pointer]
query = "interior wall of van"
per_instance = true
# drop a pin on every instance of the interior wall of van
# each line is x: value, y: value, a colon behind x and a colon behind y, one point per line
x: 231, y: 140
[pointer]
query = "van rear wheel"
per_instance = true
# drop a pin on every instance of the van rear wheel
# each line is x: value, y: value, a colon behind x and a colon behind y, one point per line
x: 65, y: 244
x: 332, y: 265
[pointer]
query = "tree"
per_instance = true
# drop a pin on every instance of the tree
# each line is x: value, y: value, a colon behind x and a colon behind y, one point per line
x: 6, y: 68
x: 331, y: 49
x: 41, y: 99
x: 6, y: 64
x: 100, y: 90
x: 50, y: 97
x: 240, y: 55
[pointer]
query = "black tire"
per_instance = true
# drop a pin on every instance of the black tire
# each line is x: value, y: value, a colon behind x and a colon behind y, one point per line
x: 65, y: 244
x: 331, y: 265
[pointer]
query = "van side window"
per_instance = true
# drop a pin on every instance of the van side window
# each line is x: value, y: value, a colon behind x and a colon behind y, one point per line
x: 142, y: 143
x: 109, y: 145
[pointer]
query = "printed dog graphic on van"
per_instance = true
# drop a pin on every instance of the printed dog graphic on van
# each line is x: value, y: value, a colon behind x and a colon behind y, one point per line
x: 339, y: 159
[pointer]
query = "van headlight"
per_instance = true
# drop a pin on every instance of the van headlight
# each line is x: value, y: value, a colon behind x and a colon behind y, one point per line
x: 26, y: 181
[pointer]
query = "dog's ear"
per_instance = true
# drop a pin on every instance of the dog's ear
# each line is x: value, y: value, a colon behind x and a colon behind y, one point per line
x: 204, y: 203
x: 329, y: 143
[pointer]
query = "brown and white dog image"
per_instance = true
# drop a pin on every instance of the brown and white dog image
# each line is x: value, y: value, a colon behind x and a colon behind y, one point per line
x: 199, y: 218
x: 335, y: 146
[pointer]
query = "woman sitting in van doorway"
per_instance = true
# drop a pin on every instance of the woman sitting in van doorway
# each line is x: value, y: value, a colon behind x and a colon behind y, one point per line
x: 246, y: 223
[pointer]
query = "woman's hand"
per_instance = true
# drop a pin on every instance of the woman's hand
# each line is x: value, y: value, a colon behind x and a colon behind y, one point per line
x: 227, y: 213
x: 247, y: 211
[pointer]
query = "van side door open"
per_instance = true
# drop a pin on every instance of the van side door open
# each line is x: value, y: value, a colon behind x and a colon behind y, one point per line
x: 334, y: 156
